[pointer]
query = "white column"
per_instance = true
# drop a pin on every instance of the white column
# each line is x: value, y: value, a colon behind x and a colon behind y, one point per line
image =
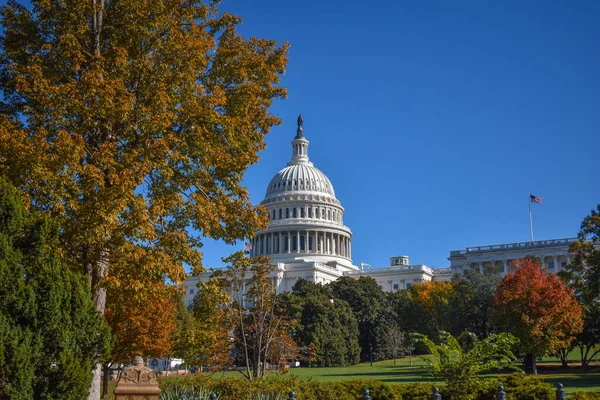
x: 297, y: 241
x: 316, y: 243
x: 279, y: 247
x: 481, y: 267
x: 321, y: 243
x: 505, y: 267
x: 289, y: 241
x: 333, y: 247
x: 349, y: 248
x: 306, y: 242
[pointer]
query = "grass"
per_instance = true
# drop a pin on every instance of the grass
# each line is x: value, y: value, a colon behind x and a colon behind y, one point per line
x: 573, y: 378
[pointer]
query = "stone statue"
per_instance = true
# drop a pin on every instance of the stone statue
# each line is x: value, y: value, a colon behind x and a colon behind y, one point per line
x: 299, y: 131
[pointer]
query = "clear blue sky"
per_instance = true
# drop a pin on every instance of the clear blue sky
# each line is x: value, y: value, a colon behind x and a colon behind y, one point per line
x: 433, y: 120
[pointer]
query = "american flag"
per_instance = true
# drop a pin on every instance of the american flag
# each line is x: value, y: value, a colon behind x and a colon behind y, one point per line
x: 535, y: 199
x: 248, y: 246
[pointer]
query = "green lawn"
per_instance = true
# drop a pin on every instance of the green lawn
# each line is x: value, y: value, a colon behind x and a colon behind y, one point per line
x: 572, y: 378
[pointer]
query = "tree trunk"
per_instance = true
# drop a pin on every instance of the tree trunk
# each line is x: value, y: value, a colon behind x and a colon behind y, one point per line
x: 530, y: 363
x: 564, y: 357
x: 105, y: 375
x: 95, y: 275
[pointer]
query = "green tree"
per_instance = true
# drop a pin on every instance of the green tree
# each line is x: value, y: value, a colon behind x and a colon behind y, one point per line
x: 132, y: 123
x: 323, y: 322
x: 50, y: 332
x: 369, y: 305
x: 471, y: 302
x: 583, y: 275
x: 461, y: 366
x: 202, y: 335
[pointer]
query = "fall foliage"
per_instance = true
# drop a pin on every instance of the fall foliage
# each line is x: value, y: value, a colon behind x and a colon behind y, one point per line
x: 537, y: 308
x: 132, y: 123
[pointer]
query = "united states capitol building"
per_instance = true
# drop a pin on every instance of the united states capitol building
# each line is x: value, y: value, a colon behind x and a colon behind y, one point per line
x: 306, y: 237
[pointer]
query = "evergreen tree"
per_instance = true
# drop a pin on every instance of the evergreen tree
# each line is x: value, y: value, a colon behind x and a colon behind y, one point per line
x: 326, y: 323
x: 50, y: 331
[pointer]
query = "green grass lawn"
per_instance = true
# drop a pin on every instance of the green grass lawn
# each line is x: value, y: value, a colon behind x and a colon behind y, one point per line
x: 572, y: 378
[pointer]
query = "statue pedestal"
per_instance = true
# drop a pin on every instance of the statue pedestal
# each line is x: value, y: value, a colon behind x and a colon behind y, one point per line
x: 137, y: 382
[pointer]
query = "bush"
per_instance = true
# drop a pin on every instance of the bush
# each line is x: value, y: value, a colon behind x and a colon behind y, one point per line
x: 585, y: 396
x: 517, y: 387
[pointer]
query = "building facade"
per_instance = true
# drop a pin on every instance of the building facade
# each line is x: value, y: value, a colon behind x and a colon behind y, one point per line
x: 554, y: 255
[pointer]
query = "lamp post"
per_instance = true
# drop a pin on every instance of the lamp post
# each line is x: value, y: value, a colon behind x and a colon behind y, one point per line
x: 371, y: 354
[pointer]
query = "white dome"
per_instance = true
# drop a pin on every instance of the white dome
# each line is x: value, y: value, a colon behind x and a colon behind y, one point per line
x: 300, y: 178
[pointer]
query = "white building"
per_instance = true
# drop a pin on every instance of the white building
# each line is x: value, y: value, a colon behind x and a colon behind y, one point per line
x: 553, y: 253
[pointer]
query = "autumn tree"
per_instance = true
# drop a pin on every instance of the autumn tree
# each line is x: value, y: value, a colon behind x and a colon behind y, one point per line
x: 50, y: 332
x: 132, y: 124
x: 141, y: 325
x: 203, y: 335
x: 254, y: 314
x: 537, y: 308
x: 583, y: 275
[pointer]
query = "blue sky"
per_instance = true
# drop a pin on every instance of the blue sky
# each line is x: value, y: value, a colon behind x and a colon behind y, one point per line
x: 433, y: 120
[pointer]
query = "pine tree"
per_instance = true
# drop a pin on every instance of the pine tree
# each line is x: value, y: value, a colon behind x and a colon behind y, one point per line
x: 50, y: 331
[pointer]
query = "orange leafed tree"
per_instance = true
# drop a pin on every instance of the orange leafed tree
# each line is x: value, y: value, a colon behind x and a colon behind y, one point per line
x: 132, y: 124
x: 537, y: 308
x: 141, y: 325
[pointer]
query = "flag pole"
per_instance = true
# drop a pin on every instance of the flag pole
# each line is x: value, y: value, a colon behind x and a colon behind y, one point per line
x: 530, y: 218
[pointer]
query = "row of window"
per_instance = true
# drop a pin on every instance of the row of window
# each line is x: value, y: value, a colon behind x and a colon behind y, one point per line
x: 310, y: 183
x: 319, y: 213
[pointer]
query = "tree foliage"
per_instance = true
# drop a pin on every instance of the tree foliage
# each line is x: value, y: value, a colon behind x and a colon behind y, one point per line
x: 50, y: 332
x: 583, y: 275
x: 471, y: 302
x: 461, y: 367
x: 536, y: 307
x: 324, y: 323
x: 368, y: 303
x: 202, y: 335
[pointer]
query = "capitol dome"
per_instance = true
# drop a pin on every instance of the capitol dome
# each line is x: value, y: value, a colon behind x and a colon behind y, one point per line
x: 305, y: 218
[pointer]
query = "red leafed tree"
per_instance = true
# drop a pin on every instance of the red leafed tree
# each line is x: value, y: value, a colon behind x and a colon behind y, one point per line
x: 538, y: 308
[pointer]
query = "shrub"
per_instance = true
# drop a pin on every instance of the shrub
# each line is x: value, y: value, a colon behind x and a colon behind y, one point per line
x: 585, y: 396
x: 517, y: 386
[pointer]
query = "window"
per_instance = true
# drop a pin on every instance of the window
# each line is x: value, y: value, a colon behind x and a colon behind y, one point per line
x: 280, y: 213
x: 273, y: 214
x: 285, y: 243
x: 408, y: 285
x: 309, y: 212
x: 294, y: 243
x: 287, y: 212
x: 302, y: 212
x: 191, y: 291
x: 395, y: 286
x: 316, y: 213
x: 295, y: 212
x: 302, y: 247
x: 551, y: 265
x: 329, y: 215
x: 310, y: 243
x: 563, y: 264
